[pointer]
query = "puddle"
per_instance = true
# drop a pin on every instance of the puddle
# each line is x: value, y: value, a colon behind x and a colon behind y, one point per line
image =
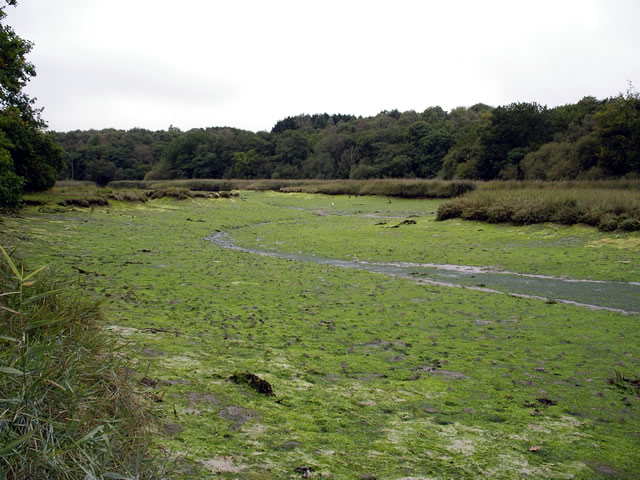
x: 622, y: 297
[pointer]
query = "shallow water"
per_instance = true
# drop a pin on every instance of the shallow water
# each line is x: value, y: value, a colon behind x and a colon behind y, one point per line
x: 623, y: 297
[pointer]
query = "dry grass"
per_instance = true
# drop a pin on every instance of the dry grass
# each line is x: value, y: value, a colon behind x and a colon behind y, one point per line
x: 406, y: 188
x: 598, y: 205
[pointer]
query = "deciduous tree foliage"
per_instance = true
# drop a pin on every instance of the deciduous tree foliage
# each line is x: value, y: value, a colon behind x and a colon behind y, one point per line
x: 590, y: 139
x: 29, y: 158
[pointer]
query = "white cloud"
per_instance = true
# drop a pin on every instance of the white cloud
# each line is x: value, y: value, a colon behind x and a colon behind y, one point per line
x: 249, y: 63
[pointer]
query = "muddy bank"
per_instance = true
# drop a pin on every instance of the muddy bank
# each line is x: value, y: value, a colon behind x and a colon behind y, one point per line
x: 623, y: 297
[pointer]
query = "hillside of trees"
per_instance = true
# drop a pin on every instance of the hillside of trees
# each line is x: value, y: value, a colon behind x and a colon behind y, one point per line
x: 591, y: 139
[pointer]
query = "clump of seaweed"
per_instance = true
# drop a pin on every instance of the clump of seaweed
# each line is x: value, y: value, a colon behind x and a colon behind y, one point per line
x: 258, y: 384
x: 626, y: 384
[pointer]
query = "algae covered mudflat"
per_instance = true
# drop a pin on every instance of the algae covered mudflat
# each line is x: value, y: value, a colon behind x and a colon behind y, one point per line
x: 373, y: 375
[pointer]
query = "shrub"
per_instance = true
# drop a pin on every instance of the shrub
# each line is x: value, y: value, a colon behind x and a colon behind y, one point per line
x: 10, y: 183
x: 608, y: 223
x: 629, y: 224
x: 499, y: 213
x: 10, y: 190
x: 449, y: 210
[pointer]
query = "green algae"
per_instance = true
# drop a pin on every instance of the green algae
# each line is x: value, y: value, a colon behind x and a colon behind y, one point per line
x: 347, y: 228
x: 371, y: 375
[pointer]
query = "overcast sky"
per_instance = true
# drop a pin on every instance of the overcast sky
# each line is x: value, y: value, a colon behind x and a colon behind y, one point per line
x: 250, y: 63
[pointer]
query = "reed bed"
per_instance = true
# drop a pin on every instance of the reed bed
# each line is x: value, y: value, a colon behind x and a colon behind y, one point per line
x: 404, y: 188
x: 618, y: 184
x: 68, y: 409
x: 606, y: 208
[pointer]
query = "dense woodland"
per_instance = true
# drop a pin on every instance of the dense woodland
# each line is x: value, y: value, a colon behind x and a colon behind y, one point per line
x: 591, y: 139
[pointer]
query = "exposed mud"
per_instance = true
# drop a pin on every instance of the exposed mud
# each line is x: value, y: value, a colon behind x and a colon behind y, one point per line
x: 621, y: 297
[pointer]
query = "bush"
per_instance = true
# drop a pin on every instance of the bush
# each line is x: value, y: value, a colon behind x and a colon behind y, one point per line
x: 499, y: 213
x: 449, y: 210
x: 10, y: 190
x: 10, y: 183
x: 608, y: 223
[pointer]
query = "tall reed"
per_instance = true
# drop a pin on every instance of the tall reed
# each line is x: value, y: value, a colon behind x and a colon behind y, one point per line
x: 68, y: 410
x: 607, y: 209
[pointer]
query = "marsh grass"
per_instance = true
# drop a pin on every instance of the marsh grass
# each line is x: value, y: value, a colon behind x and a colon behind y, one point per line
x: 84, y: 195
x: 608, y: 205
x: 67, y: 407
x: 171, y: 192
x: 619, y: 184
x: 608, y: 209
x: 403, y: 188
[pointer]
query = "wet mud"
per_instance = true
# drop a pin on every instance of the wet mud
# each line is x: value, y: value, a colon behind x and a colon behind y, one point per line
x: 622, y: 297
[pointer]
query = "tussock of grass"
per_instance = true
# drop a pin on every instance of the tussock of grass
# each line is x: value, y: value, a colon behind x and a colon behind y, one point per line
x: 605, y: 208
x: 84, y: 195
x: 128, y: 196
x: 179, y: 193
x: 67, y: 407
x: 84, y: 202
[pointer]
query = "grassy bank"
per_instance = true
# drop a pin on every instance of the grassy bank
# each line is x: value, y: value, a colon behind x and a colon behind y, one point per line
x: 409, y: 188
x: 371, y: 376
x: 67, y: 406
x: 600, y: 206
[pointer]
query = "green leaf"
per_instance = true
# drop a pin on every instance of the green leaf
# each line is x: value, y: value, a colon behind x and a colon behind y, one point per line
x: 18, y: 441
x: 11, y: 371
x: 8, y: 339
x: 90, y: 435
x: 42, y: 295
x: 34, y: 273
x: 12, y: 265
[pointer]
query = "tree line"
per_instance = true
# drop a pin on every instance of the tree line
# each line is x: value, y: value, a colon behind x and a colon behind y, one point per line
x: 591, y: 139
